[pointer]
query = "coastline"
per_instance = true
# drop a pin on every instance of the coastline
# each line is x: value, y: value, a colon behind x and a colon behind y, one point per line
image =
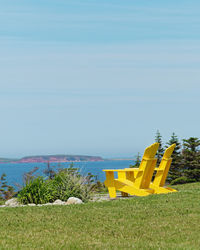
x: 17, y: 162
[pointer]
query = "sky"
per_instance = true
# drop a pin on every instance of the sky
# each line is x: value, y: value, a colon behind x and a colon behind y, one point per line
x: 97, y: 77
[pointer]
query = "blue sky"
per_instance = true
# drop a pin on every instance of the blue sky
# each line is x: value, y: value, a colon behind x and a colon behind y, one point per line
x: 97, y: 77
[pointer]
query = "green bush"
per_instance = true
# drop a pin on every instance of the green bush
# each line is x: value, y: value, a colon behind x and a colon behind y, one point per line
x: 67, y: 183
x: 64, y: 184
x: 35, y: 191
x: 182, y: 180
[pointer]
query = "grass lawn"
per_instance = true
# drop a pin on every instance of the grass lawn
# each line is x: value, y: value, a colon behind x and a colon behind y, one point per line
x: 169, y: 221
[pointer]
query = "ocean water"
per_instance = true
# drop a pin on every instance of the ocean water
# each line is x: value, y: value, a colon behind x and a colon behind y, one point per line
x: 15, y: 171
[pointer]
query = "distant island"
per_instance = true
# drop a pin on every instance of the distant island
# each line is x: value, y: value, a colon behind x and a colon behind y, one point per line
x: 52, y: 158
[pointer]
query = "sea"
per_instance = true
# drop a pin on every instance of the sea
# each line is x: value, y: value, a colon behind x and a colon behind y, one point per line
x: 15, y: 171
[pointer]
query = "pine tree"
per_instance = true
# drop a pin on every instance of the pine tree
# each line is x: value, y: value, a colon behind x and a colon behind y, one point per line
x: 175, y: 170
x: 159, y: 154
x: 6, y: 191
x: 191, y: 157
x: 3, y: 185
x: 137, y: 162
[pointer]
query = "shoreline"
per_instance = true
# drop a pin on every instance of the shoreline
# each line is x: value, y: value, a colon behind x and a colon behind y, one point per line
x: 27, y: 162
x: 17, y: 162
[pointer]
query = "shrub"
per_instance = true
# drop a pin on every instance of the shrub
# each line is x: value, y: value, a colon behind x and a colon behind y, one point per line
x: 68, y: 182
x: 64, y: 184
x: 35, y: 191
x: 182, y: 180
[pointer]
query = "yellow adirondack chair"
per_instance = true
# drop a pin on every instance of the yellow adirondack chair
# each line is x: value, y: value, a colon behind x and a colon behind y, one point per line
x: 162, y: 171
x: 133, y: 181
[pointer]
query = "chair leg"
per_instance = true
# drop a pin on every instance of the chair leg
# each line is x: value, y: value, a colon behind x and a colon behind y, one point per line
x: 112, y: 192
x: 109, y: 183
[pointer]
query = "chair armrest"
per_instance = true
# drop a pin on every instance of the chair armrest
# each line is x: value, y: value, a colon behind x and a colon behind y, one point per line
x: 113, y: 170
x: 133, y: 170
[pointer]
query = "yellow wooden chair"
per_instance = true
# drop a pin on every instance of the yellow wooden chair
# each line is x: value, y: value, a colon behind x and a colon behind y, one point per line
x: 162, y: 171
x: 133, y: 181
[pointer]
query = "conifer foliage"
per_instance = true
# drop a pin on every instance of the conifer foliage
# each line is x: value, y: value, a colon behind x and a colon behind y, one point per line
x: 191, y: 158
x: 176, y: 165
x: 6, y: 191
x: 185, y: 165
x: 137, y: 161
x: 159, y: 154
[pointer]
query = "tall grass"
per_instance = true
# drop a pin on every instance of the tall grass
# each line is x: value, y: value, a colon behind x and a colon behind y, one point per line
x: 64, y: 184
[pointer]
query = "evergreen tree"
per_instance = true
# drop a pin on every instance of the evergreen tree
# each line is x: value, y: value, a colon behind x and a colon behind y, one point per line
x: 3, y: 185
x: 6, y: 191
x: 175, y: 170
x: 159, y: 154
x: 137, y: 162
x: 191, y: 157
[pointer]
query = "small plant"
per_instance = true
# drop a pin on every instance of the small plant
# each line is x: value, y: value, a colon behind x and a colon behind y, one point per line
x: 68, y: 182
x: 35, y: 191
x: 49, y: 171
x: 27, y: 177
x: 62, y: 185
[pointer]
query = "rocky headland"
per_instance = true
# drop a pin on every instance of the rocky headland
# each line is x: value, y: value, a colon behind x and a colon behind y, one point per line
x: 52, y: 158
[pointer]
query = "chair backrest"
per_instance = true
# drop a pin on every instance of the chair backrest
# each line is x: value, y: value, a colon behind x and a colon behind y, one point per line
x: 164, y: 166
x: 146, y: 167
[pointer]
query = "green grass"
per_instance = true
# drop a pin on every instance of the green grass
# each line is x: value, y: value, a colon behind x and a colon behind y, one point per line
x: 155, y: 222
